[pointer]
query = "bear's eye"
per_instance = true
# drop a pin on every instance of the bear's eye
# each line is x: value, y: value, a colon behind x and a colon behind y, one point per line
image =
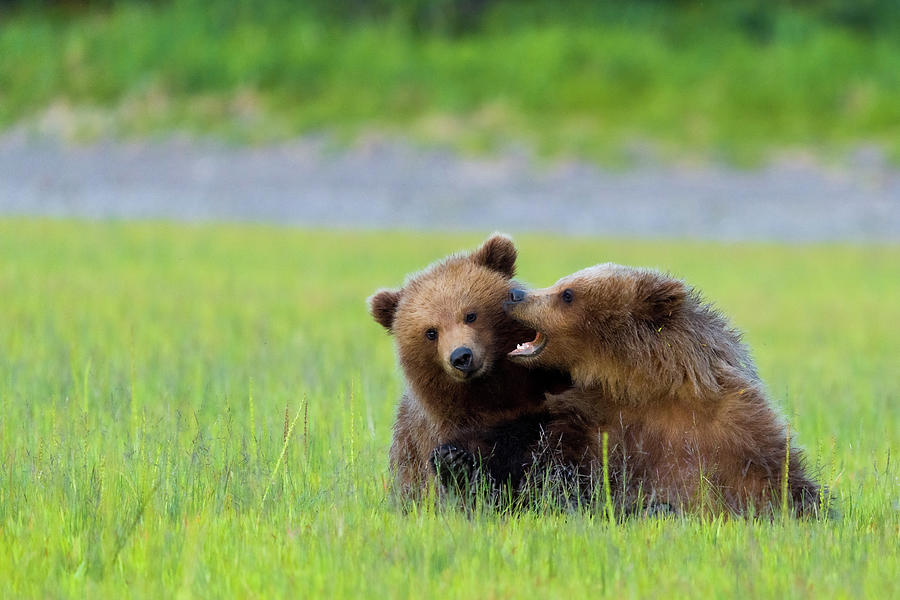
x: 431, y: 334
x: 470, y: 318
x: 567, y: 296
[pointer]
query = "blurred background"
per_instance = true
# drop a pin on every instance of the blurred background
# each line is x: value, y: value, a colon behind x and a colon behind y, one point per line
x: 735, y: 119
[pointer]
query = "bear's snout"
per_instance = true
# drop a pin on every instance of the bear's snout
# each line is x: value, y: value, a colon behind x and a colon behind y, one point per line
x: 516, y: 295
x: 515, y: 300
x: 461, y: 359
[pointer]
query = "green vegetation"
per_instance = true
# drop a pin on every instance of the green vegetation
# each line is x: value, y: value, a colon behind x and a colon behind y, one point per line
x: 606, y: 80
x: 148, y: 371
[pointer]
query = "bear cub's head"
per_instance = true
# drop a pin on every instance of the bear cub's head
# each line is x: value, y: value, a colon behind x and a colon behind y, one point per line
x: 448, y: 320
x: 600, y: 318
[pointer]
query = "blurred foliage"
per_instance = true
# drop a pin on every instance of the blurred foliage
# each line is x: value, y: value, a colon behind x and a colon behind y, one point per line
x: 758, y: 19
x: 732, y: 79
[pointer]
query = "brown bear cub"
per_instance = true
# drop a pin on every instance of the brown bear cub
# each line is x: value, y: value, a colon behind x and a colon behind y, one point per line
x: 468, y: 412
x: 663, y: 373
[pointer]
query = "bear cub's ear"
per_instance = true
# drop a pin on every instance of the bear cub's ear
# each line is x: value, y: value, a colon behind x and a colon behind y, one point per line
x: 498, y: 253
x: 383, y: 307
x: 661, y: 297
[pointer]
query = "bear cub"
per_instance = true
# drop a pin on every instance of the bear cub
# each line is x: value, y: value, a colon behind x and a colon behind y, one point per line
x: 662, y: 372
x: 468, y: 413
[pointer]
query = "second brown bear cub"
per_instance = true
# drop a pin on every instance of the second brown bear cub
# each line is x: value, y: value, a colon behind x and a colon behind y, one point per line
x: 689, y: 422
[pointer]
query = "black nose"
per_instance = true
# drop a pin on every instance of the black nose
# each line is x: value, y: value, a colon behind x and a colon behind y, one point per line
x: 461, y: 359
x: 516, y: 295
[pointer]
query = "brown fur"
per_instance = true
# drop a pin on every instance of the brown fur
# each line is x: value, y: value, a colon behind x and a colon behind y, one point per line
x: 673, y: 385
x: 441, y: 404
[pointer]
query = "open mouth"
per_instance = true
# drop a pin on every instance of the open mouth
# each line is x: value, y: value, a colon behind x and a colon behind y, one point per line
x: 529, y: 349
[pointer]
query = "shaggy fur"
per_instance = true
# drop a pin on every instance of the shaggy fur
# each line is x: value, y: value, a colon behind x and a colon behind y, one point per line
x: 444, y: 407
x: 688, y: 419
x: 541, y: 459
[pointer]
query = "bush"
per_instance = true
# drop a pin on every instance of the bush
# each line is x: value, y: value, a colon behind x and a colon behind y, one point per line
x: 758, y: 19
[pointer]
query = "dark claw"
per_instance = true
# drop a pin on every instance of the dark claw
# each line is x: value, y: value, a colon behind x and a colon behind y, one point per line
x: 455, y: 466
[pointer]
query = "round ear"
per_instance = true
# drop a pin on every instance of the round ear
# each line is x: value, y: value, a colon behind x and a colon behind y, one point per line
x: 497, y: 253
x: 660, y: 298
x: 383, y: 307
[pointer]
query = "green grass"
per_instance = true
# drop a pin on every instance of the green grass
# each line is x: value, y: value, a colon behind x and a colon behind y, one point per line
x: 611, y: 86
x: 146, y: 371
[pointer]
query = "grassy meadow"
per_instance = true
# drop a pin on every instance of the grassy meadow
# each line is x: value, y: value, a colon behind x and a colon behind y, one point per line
x: 610, y: 81
x: 150, y: 374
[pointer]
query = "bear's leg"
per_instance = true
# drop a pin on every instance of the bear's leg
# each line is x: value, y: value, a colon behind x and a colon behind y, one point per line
x: 806, y: 494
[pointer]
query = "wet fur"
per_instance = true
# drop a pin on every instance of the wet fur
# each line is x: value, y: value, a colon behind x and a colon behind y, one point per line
x: 539, y: 459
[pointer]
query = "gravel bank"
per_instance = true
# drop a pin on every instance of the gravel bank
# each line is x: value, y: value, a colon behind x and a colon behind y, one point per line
x: 394, y: 186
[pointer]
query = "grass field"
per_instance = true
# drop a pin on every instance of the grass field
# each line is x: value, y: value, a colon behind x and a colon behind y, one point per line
x: 147, y: 372
x: 610, y: 81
